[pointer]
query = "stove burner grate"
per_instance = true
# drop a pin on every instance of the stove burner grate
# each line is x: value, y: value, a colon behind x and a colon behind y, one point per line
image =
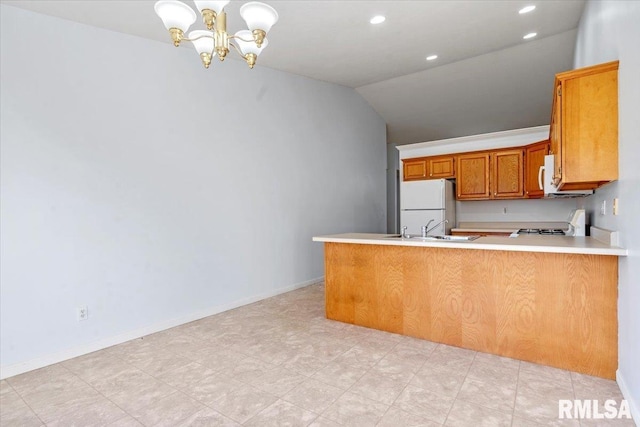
x: 543, y: 231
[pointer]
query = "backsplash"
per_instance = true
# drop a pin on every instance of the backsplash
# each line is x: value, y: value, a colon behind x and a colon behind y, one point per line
x: 516, y: 210
x: 594, y: 204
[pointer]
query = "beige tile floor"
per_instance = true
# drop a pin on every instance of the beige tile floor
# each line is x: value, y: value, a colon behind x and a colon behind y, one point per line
x: 279, y: 362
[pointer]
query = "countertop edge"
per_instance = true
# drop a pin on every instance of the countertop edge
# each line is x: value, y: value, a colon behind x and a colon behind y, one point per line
x: 476, y: 244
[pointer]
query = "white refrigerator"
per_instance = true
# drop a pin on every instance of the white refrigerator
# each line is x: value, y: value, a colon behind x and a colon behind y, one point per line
x: 422, y: 201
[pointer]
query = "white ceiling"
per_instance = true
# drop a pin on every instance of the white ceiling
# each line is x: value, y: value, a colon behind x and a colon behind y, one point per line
x: 486, y: 78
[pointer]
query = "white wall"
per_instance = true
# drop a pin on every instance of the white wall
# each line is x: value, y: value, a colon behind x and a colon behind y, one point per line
x: 535, y: 210
x: 154, y: 191
x: 610, y: 30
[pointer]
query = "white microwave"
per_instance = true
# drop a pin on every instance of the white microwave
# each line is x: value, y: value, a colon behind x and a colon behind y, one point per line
x: 545, y: 181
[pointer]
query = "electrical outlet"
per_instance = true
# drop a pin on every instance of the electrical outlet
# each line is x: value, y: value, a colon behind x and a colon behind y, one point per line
x: 504, y: 210
x: 615, y: 206
x: 603, y: 208
x: 82, y: 313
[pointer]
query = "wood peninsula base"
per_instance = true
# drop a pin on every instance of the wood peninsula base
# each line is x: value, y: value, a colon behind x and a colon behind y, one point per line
x: 556, y: 309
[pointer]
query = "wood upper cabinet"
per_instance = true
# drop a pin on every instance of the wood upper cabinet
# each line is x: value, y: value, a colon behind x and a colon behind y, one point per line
x: 414, y: 169
x: 441, y: 167
x: 584, y: 127
x: 490, y: 175
x: 472, y: 177
x: 507, y: 174
x: 534, y: 160
x: 428, y: 168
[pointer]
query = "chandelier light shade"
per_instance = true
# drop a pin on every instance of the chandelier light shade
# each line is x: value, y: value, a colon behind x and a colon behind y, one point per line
x: 248, y: 47
x: 260, y: 18
x: 210, y: 10
x: 203, y: 44
x: 178, y: 17
x: 216, y: 6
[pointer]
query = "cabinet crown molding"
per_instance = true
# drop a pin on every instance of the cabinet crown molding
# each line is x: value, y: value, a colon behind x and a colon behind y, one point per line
x: 485, y: 141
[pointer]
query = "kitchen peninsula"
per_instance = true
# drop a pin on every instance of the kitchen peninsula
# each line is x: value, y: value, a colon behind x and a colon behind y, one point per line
x: 548, y: 300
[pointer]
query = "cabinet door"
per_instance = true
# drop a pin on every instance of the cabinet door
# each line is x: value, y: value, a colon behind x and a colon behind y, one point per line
x: 414, y: 169
x: 472, y: 171
x: 589, y: 140
x: 534, y: 160
x: 508, y: 174
x: 441, y: 167
x: 584, y: 127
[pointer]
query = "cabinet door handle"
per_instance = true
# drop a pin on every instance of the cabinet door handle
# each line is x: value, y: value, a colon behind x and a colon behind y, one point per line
x: 540, y: 171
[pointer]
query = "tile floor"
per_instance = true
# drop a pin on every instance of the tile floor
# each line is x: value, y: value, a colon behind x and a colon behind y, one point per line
x: 279, y: 362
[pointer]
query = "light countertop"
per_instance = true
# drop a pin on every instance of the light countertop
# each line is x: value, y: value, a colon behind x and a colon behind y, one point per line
x: 522, y: 243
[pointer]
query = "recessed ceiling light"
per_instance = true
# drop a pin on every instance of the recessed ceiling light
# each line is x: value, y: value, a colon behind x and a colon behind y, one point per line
x: 526, y: 9
x: 379, y: 19
x: 432, y: 57
x: 530, y: 36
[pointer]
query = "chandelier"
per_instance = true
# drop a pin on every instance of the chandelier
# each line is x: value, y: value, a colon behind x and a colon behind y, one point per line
x: 178, y: 17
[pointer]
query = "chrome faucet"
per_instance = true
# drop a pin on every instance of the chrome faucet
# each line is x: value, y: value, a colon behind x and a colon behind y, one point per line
x: 426, y: 229
x: 404, y: 234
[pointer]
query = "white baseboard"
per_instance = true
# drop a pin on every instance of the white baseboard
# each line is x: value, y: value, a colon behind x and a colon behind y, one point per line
x: 50, y: 359
x: 634, y: 406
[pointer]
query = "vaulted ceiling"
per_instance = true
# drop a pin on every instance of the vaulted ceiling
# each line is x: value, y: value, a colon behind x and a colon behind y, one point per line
x: 486, y: 78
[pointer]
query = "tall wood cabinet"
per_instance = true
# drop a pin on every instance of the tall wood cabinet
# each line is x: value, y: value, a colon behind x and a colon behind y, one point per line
x: 584, y: 127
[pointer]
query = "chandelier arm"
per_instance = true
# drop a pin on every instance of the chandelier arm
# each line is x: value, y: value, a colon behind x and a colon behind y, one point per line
x: 238, y: 50
x: 240, y: 38
x: 197, y: 38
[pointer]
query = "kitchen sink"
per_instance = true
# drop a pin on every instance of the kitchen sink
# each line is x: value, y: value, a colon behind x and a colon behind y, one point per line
x: 446, y: 238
